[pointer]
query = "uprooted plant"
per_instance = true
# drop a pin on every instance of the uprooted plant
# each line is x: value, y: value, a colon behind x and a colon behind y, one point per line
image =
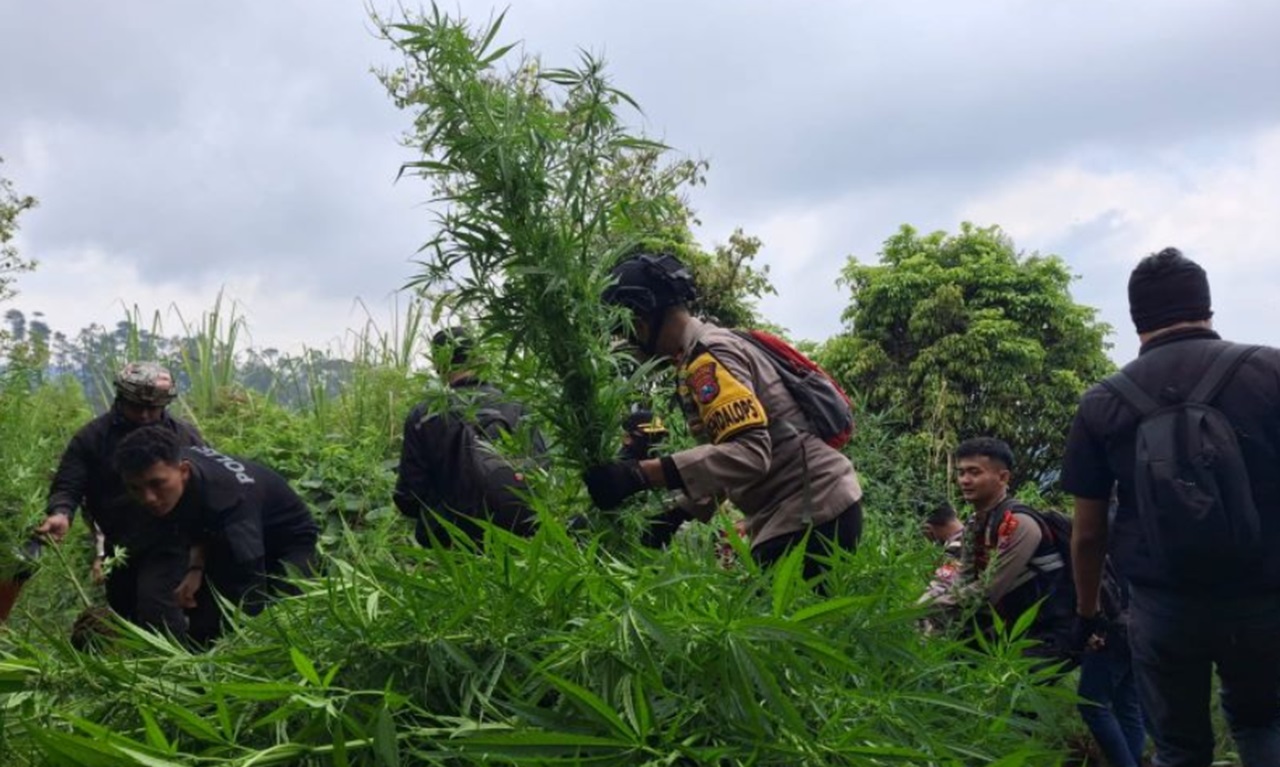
x: 539, y: 188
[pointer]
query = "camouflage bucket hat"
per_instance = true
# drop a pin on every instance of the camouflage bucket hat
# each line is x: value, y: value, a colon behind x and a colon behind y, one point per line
x: 146, y: 383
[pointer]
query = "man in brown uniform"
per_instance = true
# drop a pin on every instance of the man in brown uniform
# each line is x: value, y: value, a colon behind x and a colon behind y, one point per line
x: 1009, y: 560
x: 757, y: 450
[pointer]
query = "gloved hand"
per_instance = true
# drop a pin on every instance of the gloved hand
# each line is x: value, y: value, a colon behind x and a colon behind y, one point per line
x: 663, y: 527
x: 610, y: 484
x: 1082, y: 629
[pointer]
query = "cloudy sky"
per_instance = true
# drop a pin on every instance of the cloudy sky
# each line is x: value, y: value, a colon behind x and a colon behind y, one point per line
x: 182, y: 148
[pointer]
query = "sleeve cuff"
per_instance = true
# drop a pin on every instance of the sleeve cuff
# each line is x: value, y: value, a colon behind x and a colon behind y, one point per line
x: 671, y: 474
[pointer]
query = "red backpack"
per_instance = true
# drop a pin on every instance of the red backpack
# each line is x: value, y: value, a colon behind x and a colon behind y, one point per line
x: 825, y: 405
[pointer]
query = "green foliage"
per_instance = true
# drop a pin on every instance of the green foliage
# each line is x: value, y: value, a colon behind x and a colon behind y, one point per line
x: 529, y: 217
x: 209, y: 355
x: 729, y: 285
x: 12, y: 205
x: 36, y: 422
x: 962, y: 336
x: 545, y: 651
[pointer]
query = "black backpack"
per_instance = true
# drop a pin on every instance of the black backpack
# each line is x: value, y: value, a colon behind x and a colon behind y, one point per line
x: 1195, y: 503
x: 488, y: 479
x: 1053, y: 585
x: 1056, y: 572
x: 1054, y: 567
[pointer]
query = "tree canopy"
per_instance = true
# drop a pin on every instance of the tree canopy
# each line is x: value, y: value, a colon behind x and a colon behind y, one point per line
x: 964, y: 336
x: 12, y: 205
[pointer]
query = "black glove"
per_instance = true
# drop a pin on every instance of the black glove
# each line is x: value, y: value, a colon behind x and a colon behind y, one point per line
x: 663, y: 527
x: 1084, y: 628
x: 612, y: 483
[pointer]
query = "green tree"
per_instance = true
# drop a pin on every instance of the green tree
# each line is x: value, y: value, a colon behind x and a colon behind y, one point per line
x: 729, y: 284
x: 962, y: 336
x: 12, y: 205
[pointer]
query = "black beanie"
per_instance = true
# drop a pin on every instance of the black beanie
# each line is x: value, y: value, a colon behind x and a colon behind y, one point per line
x: 1167, y: 288
x: 457, y: 340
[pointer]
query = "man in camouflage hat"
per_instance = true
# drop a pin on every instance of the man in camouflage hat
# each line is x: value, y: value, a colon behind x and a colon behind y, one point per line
x: 141, y: 589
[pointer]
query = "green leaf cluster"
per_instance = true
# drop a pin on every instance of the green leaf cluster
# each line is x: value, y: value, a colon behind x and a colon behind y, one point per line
x: 540, y: 189
x: 37, y: 419
x: 960, y: 335
x: 12, y: 205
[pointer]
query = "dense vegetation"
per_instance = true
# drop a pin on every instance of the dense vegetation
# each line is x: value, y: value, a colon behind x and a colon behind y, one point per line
x: 544, y: 651
x: 561, y: 649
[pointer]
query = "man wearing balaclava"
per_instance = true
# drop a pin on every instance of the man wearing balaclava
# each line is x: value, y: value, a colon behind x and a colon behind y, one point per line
x: 1188, y: 435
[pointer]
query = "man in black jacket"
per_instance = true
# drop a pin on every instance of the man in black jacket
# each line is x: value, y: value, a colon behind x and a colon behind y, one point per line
x: 1221, y: 611
x: 449, y: 467
x: 246, y: 526
x: 141, y: 589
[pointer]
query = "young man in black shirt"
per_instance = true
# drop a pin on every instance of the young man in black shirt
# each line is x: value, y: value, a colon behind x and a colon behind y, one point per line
x: 246, y: 526
x: 1216, y: 611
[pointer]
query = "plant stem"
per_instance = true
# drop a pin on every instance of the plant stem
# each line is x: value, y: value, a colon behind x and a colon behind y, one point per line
x: 66, y: 566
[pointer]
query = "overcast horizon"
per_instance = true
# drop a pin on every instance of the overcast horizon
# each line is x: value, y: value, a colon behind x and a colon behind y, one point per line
x: 180, y: 150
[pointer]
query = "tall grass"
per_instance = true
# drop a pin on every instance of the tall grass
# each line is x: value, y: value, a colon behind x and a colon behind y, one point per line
x: 36, y: 423
x: 544, y: 652
x: 554, y: 650
x: 209, y: 353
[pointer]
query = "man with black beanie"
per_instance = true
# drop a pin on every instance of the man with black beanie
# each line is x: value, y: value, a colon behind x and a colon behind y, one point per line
x: 1188, y: 436
x: 452, y: 469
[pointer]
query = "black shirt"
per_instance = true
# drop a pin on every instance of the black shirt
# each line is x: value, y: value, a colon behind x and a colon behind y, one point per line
x: 86, y: 476
x: 243, y: 509
x: 437, y: 460
x: 1100, y: 450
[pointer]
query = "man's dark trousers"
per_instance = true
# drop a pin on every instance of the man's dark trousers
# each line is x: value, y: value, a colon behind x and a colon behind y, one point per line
x: 141, y: 590
x: 1176, y: 642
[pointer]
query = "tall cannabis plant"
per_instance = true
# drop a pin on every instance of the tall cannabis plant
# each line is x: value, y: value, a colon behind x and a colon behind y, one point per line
x: 535, y: 199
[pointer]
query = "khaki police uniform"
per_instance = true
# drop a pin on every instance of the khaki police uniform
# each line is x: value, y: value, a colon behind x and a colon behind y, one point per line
x: 782, y: 478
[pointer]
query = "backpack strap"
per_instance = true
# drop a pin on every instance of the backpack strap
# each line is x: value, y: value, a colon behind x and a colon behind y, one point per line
x: 1043, y: 563
x: 1219, y: 373
x: 990, y: 534
x: 1052, y: 561
x: 1131, y: 394
x: 779, y: 430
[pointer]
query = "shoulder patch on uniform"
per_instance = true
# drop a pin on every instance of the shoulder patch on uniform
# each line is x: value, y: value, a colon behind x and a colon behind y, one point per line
x: 725, y: 405
x: 703, y: 383
x: 1008, y: 526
